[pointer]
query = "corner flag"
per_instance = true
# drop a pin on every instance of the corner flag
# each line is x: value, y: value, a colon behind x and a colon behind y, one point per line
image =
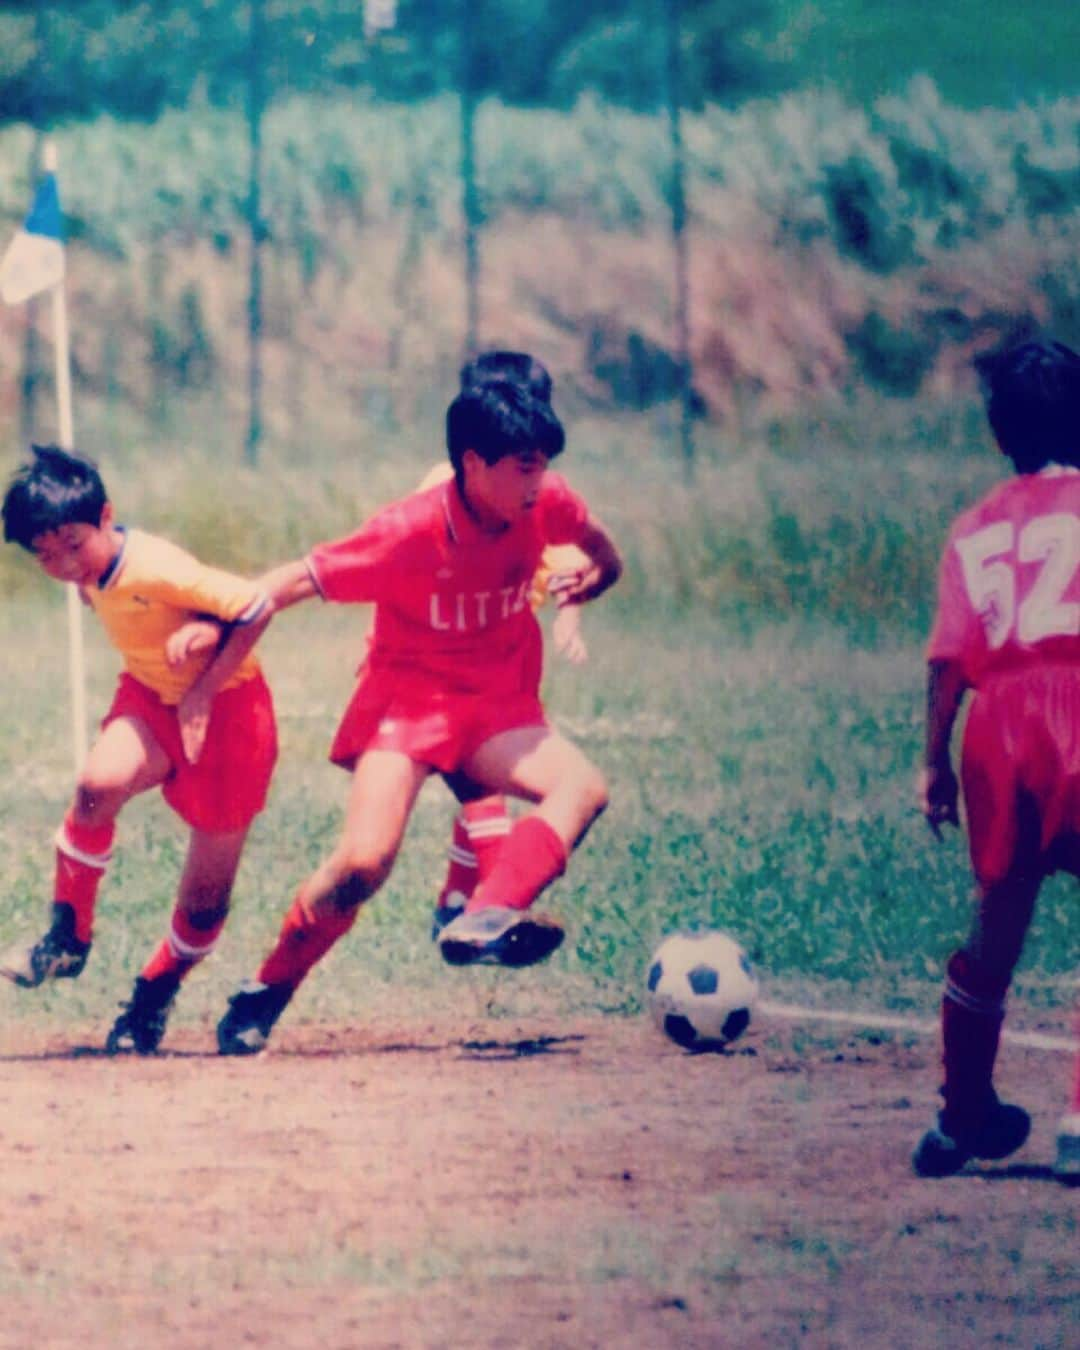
x: 34, y: 260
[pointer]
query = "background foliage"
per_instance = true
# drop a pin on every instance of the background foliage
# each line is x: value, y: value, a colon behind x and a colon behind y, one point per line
x: 135, y: 59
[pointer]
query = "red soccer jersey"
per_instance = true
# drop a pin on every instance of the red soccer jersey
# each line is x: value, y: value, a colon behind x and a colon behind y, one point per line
x: 1009, y: 582
x: 451, y: 601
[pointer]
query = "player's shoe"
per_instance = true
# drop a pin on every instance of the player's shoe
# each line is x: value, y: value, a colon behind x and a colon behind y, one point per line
x: 1067, y: 1163
x: 59, y: 955
x: 253, y: 1010
x: 497, y: 936
x: 1002, y: 1130
x: 444, y: 914
x: 139, y: 1028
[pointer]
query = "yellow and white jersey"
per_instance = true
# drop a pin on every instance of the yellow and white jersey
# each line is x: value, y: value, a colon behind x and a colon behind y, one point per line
x: 556, y: 557
x: 152, y: 589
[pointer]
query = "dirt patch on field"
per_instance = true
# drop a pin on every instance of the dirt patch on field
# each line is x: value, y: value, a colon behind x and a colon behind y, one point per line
x: 511, y: 1184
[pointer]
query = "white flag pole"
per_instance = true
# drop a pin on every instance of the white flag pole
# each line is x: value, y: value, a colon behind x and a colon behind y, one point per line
x: 62, y: 349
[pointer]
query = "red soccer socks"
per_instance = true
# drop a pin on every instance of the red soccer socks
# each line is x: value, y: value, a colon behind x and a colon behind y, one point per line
x: 82, y: 855
x: 971, y: 1018
x: 531, y: 857
x: 480, y: 829
x: 303, y: 940
x: 191, y: 939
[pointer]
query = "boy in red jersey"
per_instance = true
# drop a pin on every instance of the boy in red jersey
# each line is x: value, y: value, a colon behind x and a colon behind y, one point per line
x: 198, y: 725
x: 1008, y: 630
x: 450, y: 685
x: 482, y: 823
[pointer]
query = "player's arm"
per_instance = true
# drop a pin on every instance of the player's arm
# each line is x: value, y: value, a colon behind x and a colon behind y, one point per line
x: 567, y: 635
x: 601, y: 570
x: 193, y: 710
x: 288, y: 584
x: 939, y: 793
x: 566, y: 631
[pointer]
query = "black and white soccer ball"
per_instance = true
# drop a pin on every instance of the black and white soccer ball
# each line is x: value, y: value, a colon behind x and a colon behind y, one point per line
x: 701, y: 989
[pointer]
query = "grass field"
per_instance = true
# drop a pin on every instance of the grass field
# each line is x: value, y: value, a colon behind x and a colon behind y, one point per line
x: 754, y: 695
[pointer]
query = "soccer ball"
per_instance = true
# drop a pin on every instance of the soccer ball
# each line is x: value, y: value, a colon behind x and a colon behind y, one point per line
x: 701, y: 989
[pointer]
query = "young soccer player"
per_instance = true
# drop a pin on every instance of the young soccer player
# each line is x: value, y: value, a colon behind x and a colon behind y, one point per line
x: 482, y: 823
x: 1008, y: 631
x: 450, y: 685
x: 199, y: 725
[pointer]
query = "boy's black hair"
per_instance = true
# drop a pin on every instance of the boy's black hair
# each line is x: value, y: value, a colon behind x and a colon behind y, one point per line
x: 526, y: 370
x: 54, y: 488
x: 1032, y: 397
x: 497, y: 418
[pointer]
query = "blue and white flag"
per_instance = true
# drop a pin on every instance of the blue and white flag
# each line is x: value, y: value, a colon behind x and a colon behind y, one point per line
x: 34, y: 261
x: 379, y: 16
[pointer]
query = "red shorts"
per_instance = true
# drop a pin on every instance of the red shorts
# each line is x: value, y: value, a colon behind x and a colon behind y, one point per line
x: 227, y: 788
x: 439, y: 728
x: 1021, y: 770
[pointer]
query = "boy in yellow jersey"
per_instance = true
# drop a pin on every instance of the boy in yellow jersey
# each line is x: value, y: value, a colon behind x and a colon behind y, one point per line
x: 199, y: 724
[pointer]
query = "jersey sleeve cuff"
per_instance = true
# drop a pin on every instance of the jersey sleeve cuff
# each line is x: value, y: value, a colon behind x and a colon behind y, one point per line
x: 255, y: 610
x: 309, y: 563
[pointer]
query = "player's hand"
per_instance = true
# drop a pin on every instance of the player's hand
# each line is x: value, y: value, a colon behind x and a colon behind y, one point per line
x: 939, y: 796
x: 573, y: 587
x: 200, y: 635
x: 193, y: 714
x: 566, y: 634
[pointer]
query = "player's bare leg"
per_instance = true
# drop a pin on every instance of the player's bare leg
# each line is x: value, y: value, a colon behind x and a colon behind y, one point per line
x: 124, y: 761
x: 384, y: 788
x: 202, y: 906
x: 541, y: 766
x: 973, y: 1123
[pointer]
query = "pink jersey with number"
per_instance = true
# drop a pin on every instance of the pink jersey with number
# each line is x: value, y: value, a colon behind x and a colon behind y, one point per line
x: 452, y: 609
x: 1009, y: 613
x: 1009, y: 582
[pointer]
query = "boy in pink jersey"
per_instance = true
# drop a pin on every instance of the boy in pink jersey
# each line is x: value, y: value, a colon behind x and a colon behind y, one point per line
x: 450, y: 685
x: 199, y: 724
x: 1007, y: 630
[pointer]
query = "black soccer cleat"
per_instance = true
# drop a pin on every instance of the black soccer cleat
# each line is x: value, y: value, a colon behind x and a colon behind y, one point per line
x: 1001, y: 1131
x: 252, y: 1012
x: 497, y: 936
x: 139, y: 1028
x: 59, y: 955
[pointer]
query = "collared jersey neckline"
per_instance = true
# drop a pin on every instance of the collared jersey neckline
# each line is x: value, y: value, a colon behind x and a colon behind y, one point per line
x: 109, y: 575
x: 461, y: 525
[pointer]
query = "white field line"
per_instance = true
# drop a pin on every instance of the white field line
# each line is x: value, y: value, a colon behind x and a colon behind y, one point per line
x: 1034, y: 1040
